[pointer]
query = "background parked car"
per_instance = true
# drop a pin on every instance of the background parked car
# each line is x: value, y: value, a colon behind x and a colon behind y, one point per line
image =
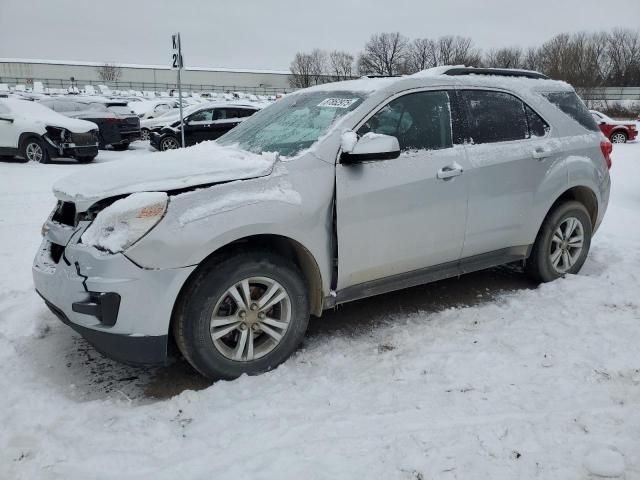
x: 116, y: 129
x: 617, y: 131
x: 153, y: 108
x: 34, y: 132
x: 172, y: 116
x: 206, y: 123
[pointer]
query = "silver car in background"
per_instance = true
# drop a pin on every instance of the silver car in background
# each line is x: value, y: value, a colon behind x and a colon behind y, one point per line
x: 332, y: 194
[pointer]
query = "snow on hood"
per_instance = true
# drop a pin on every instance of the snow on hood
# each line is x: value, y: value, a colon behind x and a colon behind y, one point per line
x: 34, y: 112
x: 205, y: 163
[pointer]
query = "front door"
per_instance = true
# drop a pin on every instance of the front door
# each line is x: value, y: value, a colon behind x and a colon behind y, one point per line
x: 409, y: 213
x: 197, y: 127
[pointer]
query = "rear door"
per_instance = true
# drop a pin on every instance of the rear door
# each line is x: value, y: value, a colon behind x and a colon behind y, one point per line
x: 224, y: 120
x: 400, y: 215
x: 509, y: 157
x: 9, y: 129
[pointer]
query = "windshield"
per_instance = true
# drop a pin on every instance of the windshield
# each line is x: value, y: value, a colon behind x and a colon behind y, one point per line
x: 293, y: 123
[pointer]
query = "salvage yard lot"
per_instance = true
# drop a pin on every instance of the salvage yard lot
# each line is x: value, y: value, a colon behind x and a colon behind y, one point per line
x: 487, y: 376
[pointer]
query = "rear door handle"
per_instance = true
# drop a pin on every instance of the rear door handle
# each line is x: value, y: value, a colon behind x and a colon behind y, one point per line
x: 450, y: 171
x: 542, y: 153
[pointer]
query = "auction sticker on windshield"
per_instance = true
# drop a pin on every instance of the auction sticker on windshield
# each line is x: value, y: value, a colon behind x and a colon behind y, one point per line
x: 337, y: 102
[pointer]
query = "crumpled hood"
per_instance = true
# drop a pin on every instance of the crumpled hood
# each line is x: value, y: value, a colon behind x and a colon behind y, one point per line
x: 203, y: 164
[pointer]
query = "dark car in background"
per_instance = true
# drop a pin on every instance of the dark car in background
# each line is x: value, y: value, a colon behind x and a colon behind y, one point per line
x: 206, y: 123
x: 118, y: 126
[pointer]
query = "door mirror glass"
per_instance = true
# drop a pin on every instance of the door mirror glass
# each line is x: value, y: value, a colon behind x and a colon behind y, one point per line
x: 371, y: 146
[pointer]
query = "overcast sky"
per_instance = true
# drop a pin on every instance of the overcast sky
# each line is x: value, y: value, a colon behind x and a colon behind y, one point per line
x: 266, y: 34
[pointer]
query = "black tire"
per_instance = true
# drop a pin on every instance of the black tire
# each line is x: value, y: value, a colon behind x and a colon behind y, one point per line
x: 30, y: 143
x: 539, y: 265
x: 120, y: 146
x: 197, y: 301
x: 87, y: 159
x: 169, y: 140
x: 622, y: 135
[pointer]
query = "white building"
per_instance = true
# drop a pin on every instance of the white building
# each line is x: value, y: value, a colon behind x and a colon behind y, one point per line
x: 58, y: 74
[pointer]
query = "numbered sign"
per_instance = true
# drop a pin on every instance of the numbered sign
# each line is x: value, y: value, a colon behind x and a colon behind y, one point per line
x: 176, y: 54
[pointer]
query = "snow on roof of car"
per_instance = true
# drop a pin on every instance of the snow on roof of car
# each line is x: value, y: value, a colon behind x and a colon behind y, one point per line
x: 437, y: 76
x: 40, y: 113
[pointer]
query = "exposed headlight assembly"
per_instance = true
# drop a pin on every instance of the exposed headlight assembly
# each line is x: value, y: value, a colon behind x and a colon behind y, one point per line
x: 125, y: 221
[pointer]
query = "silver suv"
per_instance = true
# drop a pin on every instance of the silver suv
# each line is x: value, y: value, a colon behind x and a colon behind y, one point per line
x: 332, y: 194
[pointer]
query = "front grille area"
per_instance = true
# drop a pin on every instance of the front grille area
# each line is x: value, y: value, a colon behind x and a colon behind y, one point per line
x: 88, y: 138
x: 65, y: 213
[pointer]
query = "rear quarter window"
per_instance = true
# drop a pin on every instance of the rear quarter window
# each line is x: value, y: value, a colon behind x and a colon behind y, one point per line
x: 571, y: 105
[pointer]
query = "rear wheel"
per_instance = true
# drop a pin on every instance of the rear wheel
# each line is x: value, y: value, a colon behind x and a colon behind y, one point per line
x: 562, y: 244
x: 618, y: 137
x: 169, y: 143
x: 244, y: 314
x: 144, y: 134
x: 33, y: 150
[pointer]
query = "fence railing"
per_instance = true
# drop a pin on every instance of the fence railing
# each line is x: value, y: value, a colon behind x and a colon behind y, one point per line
x: 142, y: 86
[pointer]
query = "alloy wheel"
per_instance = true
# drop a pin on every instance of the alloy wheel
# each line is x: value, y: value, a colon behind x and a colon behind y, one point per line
x: 618, y: 138
x: 250, y: 319
x: 34, y: 152
x: 170, y: 143
x: 566, y: 244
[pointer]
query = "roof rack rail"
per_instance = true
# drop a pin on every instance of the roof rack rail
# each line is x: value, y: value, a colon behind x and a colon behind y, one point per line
x: 504, y: 72
x: 380, y: 76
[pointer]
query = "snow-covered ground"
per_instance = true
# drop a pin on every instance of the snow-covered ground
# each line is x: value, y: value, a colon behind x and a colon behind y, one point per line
x: 524, y: 384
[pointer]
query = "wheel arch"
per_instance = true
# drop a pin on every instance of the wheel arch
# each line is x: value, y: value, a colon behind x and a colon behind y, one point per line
x: 282, y: 245
x: 585, y: 195
x: 24, y: 136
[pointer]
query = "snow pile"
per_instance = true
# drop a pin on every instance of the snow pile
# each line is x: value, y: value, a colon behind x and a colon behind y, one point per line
x: 417, y: 384
x: 605, y: 462
x: 125, y: 221
x: 201, y: 164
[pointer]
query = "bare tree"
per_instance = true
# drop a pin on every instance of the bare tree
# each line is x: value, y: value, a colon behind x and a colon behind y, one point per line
x: 509, y: 57
x: 341, y: 65
x: 318, y: 66
x: 384, y: 54
x: 624, y: 53
x: 421, y: 54
x: 109, y: 72
x: 456, y: 50
x: 531, y: 59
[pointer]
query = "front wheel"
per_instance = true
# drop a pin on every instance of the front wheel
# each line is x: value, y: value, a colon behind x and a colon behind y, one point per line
x: 562, y: 244
x: 144, y: 134
x: 33, y: 150
x: 244, y: 314
x: 169, y: 143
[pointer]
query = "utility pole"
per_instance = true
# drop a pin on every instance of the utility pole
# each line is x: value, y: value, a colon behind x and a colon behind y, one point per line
x: 176, y: 63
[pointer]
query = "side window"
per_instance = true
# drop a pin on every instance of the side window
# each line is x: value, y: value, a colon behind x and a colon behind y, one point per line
x: 201, y: 116
x: 537, y: 126
x: 420, y: 121
x: 245, y: 112
x: 494, y: 117
x: 570, y: 104
x: 220, y: 114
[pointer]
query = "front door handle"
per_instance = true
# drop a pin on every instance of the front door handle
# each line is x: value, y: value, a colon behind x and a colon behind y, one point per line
x: 450, y: 171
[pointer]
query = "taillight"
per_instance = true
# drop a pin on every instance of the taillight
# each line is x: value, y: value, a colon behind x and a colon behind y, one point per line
x: 607, y: 147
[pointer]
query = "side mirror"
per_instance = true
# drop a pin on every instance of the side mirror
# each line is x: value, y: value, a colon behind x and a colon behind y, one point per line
x: 370, y: 147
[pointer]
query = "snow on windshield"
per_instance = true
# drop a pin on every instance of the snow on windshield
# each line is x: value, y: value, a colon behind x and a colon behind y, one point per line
x: 294, y: 123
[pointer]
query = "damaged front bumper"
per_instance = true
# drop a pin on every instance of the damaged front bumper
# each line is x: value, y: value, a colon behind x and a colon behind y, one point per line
x: 120, y: 308
x: 86, y: 146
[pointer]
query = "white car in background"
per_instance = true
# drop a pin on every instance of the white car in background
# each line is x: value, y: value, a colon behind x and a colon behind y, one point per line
x: 33, y: 132
x: 152, y: 108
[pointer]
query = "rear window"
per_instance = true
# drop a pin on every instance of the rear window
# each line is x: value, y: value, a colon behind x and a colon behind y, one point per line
x: 570, y: 103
